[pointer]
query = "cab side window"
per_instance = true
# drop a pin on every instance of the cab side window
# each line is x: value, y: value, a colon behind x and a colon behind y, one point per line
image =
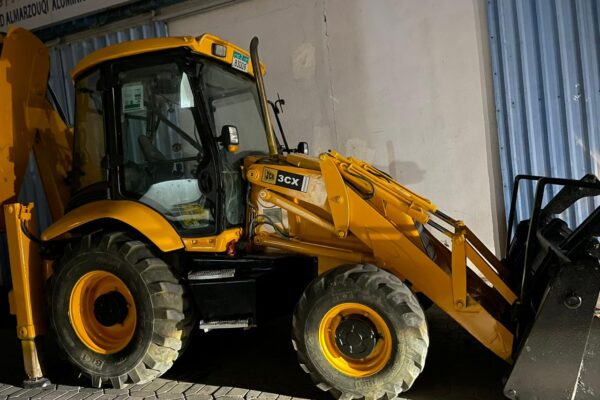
x: 89, y: 141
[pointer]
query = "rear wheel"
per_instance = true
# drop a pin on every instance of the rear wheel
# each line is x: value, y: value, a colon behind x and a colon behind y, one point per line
x: 118, y: 312
x: 360, y: 333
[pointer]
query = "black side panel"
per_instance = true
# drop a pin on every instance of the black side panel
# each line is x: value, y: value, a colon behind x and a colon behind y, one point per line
x: 262, y: 287
x: 559, y: 358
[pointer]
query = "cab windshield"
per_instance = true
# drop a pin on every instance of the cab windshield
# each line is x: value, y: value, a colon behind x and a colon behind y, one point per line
x: 232, y: 99
x: 170, y: 115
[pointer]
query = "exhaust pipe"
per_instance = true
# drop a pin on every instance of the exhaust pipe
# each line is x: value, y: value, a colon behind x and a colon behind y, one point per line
x: 262, y: 95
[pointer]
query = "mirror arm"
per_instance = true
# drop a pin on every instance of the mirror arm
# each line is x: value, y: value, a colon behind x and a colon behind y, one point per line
x: 279, y: 125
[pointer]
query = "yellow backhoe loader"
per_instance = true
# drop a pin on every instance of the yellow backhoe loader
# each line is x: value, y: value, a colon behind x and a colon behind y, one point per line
x: 175, y: 206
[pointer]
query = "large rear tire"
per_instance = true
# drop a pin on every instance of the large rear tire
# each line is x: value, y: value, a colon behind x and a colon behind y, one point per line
x: 119, y: 313
x: 360, y: 333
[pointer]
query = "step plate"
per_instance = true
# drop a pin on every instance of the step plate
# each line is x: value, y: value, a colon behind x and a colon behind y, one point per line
x: 225, y: 324
x: 211, y: 274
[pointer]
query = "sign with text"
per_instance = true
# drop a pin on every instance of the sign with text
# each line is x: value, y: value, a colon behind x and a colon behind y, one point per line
x: 32, y: 14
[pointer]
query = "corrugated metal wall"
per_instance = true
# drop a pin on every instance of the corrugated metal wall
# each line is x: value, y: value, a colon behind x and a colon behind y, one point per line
x: 546, y: 72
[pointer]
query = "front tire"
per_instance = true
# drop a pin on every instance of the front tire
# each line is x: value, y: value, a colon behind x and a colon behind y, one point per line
x: 119, y: 313
x: 360, y: 333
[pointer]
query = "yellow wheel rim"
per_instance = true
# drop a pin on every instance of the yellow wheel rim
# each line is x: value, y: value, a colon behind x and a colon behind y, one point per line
x: 372, y: 363
x: 102, y: 312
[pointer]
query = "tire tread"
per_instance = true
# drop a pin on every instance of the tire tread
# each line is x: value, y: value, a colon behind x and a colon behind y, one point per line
x: 394, y: 290
x: 173, y: 314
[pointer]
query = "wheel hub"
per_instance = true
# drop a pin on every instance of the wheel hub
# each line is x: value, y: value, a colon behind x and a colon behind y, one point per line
x: 102, y: 312
x: 111, y: 308
x: 356, y: 337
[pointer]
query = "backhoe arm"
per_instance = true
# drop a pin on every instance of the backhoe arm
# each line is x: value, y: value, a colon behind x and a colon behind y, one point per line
x: 30, y: 123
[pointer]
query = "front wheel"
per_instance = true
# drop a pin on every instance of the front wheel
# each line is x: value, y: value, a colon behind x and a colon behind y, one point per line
x: 117, y: 311
x: 360, y: 333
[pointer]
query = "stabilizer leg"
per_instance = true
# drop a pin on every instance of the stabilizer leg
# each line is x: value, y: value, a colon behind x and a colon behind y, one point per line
x: 26, y: 296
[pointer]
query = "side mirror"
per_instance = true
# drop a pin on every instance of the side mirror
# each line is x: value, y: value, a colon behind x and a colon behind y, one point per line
x: 302, y: 148
x: 229, y: 138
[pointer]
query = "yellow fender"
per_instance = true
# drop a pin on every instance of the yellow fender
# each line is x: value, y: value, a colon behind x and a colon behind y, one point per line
x: 142, y: 218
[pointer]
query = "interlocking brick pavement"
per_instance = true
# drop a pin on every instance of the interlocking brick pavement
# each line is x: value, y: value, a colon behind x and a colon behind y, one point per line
x: 159, y: 389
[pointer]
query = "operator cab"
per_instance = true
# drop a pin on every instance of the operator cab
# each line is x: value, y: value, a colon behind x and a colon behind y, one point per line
x: 168, y: 128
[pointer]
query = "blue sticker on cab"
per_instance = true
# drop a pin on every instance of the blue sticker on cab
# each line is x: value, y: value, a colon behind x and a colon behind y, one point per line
x: 240, y: 61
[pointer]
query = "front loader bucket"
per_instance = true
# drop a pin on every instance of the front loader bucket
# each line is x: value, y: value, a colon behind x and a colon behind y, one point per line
x: 557, y: 328
x: 560, y: 358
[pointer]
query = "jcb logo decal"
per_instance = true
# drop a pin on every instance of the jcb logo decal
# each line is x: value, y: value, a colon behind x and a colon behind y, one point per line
x: 270, y: 175
x: 285, y: 179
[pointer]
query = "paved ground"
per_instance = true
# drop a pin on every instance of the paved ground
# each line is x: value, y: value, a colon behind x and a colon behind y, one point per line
x: 261, y: 364
x: 159, y: 389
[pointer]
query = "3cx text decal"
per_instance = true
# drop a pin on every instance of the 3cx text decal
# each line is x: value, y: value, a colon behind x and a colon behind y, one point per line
x: 285, y: 179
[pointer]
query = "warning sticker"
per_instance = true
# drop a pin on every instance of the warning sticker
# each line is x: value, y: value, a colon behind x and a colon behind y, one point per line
x: 240, y: 61
x: 132, y: 97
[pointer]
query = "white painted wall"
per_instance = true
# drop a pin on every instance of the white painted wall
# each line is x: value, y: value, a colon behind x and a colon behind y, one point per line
x: 404, y: 84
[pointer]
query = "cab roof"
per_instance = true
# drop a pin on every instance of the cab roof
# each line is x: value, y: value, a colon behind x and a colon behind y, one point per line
x: 202, y: 45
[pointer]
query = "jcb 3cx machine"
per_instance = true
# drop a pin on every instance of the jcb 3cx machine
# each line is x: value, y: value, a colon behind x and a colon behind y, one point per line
x: 175, y: 206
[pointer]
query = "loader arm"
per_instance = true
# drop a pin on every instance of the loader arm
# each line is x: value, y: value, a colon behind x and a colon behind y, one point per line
x: 353, y: 212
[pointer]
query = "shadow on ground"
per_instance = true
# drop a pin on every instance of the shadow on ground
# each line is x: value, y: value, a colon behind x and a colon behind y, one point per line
x: 263, y: 359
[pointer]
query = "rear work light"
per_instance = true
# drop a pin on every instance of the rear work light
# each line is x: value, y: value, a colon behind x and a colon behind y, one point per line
x: 219, y: 50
